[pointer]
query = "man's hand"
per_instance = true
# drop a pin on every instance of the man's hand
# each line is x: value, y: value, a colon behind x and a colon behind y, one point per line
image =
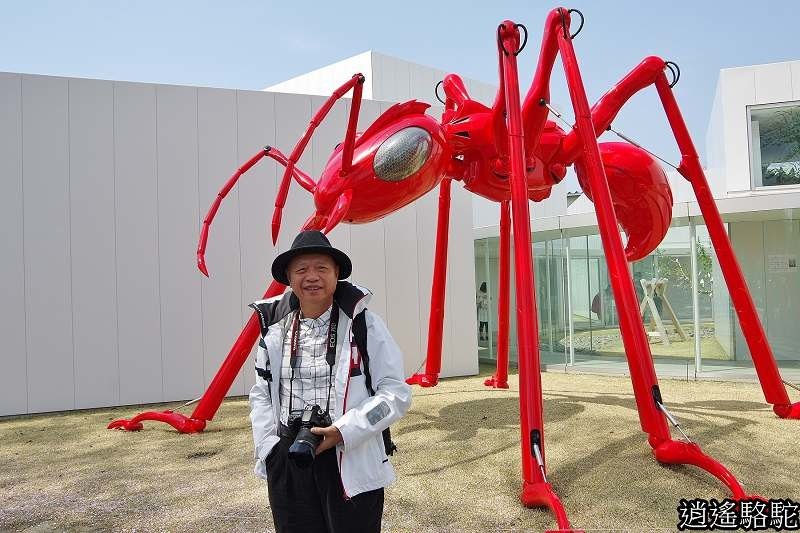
x: 331, y: 437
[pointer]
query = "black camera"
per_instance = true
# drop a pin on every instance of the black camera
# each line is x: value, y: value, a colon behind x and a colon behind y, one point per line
x: 303, y: 449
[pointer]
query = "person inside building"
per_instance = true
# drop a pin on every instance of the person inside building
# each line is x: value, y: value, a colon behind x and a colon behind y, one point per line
x: 482, y: 304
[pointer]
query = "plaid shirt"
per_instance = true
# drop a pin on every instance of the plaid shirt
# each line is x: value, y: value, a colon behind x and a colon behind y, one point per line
x: 311, y: 374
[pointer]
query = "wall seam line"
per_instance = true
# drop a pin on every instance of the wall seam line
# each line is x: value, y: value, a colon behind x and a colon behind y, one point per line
x: 116, y: 239
x: 200, y: 223
x: 24, y: 258
x: 158, y: 240
x: 239, y: 225
x: 69, y: 248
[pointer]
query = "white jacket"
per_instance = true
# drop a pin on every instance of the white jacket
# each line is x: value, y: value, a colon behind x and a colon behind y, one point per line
x: 361, y: 418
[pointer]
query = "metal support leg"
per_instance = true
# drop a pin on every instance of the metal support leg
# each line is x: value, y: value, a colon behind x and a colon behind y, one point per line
x: 216, y: 391
x: 433, y: 362
x: 760, y: 351
x: 535, y: 490
x: 645, y: 384
x: 500, y: 378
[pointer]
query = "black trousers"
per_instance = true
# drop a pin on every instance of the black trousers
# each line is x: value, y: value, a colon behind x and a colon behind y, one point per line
x: 310, y: 500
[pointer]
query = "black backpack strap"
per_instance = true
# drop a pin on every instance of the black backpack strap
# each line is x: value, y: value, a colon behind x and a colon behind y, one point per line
x: 360, y: 337
x: 270, y: 312
x: 264, y: 373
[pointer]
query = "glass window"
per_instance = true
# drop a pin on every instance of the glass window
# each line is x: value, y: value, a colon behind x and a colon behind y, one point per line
x: 775, y: 144
x: 484, y: 291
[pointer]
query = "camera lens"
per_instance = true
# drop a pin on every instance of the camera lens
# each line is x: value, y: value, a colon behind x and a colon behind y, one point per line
x: 302, y: 451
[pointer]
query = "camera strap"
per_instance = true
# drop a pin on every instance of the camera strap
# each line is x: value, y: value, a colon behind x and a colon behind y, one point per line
x: 330, y: 355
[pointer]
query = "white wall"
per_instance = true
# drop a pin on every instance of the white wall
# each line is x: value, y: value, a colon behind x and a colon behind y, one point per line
x: 323, y: 81
x: 104, y: 187
x: 727, y: 139
x: 388, y: 79
x: 776, y: 292
x: 782, y: 288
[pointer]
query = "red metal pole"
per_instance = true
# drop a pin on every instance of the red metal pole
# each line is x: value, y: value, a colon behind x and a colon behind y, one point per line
x: 212, y: 211
x: 352, y: 124
x: 530, y: 394
x: 232, y: 364
x: 637, y: 349
x: 500, y: 378
x: 760, y: 351
x: 536, y: 491
x: 294, y: 157
x: 216, y: 391
x: 433, y: 362
x: 534, y: 114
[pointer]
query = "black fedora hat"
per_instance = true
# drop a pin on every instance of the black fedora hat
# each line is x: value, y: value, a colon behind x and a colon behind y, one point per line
x: 310, y: 242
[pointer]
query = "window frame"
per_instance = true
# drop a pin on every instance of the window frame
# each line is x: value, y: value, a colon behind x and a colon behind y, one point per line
x: 751, y: 153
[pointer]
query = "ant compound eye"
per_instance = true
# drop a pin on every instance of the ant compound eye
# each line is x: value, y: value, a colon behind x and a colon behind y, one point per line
x: 402, y: 154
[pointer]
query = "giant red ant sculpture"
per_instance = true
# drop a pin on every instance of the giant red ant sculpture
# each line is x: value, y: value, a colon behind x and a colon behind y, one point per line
x: 512, y: 153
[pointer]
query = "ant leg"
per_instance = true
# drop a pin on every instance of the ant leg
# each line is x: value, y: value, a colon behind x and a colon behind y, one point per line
x: 637, y: 349
x: 536, y: 491
x: 500, y: 378
x: 433, y: 361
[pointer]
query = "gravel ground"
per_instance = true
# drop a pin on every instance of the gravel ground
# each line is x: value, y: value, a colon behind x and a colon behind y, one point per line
x: 458, y: 462
x: 609, y: 341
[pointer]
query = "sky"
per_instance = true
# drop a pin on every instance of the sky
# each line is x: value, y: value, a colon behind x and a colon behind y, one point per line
x: 252, y: 44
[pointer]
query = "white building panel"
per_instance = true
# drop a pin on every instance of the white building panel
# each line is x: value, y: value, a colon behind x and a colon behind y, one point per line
x: 402, y: 285
x: 48, y: 301
x: 422, y: 83
x: 136, y: 208
x: 178, y: 208
x: 728, y: 138
x: 256, y: 129
x: 773, y: 83
x: 93, y: 240
x: 217, y: 148
x: 112, y: 209
x: 460, y: 281
x: 794, y: 69
x: 427, y: 208
x: 388, y: 79
x: 739, y: 92
x: 323, y: 81
x: 13, y: 378
x: 715, y: 147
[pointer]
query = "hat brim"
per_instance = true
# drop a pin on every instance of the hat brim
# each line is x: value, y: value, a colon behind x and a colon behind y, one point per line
x: 281, y: 263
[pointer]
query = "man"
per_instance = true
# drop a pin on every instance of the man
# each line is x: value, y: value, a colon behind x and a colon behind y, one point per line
x: 319, y: 346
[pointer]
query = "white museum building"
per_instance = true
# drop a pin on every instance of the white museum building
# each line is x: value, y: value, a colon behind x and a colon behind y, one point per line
x: 105, y: 185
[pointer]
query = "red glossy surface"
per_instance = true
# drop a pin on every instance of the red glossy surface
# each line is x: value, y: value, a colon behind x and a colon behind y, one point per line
x: 374, y: 198
x: 511, y: 153
x: 433, y: 361
x: 763, y: 360
x: 530, y: 390
x: 640, y: 194
x: 500, y: 378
